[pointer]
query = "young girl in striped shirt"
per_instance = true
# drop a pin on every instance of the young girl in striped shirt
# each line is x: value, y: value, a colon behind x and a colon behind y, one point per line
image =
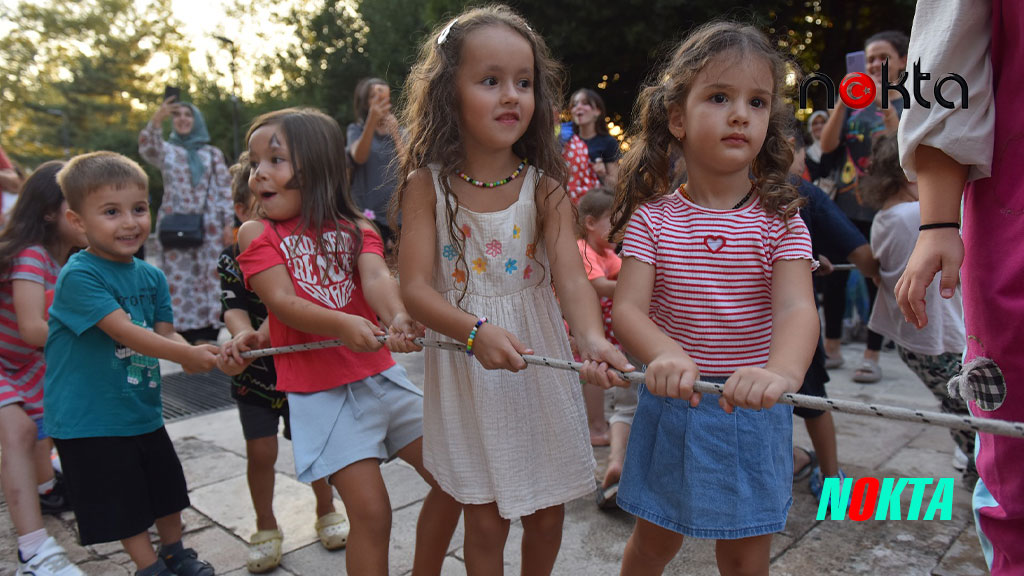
x: 716, y: 284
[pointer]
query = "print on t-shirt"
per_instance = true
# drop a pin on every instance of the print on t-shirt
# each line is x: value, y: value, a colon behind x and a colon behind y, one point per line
x: 140, y: 370
x: 330, y: 285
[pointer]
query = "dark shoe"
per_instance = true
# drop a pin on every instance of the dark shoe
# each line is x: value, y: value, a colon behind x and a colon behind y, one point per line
x: 607, y: 497
x: 56, y: 500
x: 160, y: 569
x: 187, y: 563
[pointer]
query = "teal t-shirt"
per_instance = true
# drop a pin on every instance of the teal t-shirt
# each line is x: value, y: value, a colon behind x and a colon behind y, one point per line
x: 95, y: 386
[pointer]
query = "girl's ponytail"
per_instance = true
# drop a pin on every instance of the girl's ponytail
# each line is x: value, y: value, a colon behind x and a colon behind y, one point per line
x: 644, y: 172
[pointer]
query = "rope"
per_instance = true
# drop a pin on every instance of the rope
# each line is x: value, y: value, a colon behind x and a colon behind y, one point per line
x: 837, y: 267
x: 954, y: 421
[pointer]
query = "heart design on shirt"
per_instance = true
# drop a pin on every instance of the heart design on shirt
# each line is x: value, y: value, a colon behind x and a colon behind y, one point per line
x: 714, y: 243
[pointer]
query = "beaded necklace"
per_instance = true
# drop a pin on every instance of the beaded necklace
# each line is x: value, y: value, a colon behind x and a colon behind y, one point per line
x: 502, y: 182
x: 682, y: 190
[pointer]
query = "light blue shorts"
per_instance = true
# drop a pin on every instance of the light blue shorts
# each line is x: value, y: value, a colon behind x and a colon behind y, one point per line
x: 707, y: 474
x: 371, y: 418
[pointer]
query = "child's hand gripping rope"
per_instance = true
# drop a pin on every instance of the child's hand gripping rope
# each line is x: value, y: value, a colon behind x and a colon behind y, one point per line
x: 956, y: 422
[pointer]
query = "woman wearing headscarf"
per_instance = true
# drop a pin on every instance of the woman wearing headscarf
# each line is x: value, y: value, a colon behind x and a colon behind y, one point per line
x: 817, y: 170
x: 196, y: 180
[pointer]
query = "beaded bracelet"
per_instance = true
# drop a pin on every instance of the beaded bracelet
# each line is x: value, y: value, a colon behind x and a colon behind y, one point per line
x: 472, y: 335
x: 924, y: 227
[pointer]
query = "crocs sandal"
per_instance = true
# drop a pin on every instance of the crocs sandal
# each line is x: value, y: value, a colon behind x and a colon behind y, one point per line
x: 264, y: 551
x: 834, y: 362
x: 333, y: 530
x: 805, y: 471
x: 607, y: 497
x: 868, y: 372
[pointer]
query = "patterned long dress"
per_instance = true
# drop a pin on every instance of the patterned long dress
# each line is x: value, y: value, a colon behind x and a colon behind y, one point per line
x: 191, y: 273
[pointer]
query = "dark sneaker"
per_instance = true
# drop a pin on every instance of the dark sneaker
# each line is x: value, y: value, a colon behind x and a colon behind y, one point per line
x: 187, y: 563
x: 55, y: 501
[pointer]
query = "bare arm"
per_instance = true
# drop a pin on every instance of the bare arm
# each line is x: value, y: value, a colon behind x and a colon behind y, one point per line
x: 380, y: 108
x: 940, y: 187
x: 865, y: 262
x: 383, y: 295
x: 151, y: 139
x: 833, y: 128
x: 274, y: 287
x: 10, y: 181
x: 30, y: 310
x: 237, y: 321
x: 163, y: 344
x: 582, y: 309
x: 603, y: 286
x: 670, y: 370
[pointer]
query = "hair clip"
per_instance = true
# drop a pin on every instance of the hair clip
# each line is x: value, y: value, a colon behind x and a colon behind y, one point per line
x: 444, y: 33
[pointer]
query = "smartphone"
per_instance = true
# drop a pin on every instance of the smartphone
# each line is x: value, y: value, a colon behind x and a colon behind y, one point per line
x: 172, y: 92
x: 855, y: 62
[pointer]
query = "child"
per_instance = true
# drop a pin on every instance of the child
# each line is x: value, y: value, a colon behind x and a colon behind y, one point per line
x: 261, y: 406
x: 33, y: 247
x: 110, y: 321
x: 934, y: 351
x: 318, y: 265
x: 602, y: 265
x: 504, y: 444
x: 715, y: 283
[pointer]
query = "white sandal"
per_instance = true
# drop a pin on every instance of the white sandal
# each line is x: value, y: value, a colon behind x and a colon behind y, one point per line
x: 264, y: 551
x: 333, y: 530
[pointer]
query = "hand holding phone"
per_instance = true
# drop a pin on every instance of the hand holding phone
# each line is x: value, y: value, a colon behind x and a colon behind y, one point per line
x: 172, y: 92
x: 855, y: 62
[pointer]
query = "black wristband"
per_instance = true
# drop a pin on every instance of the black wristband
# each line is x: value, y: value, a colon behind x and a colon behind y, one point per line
x: 924, y: 227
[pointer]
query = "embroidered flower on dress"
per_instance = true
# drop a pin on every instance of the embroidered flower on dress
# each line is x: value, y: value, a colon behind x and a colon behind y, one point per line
x: 369, y: 214
x: 527, y: 271
x: 460, y: 276
x: 515, y: 231
x: 449, y: 253
x: 479, y: 266
x: 493, y: 248
x: 531, y: 250
x: 465, y: 230
x: 511, y: 266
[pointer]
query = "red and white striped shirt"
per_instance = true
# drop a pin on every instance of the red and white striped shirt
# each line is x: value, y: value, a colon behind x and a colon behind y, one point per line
x: 713, y: 276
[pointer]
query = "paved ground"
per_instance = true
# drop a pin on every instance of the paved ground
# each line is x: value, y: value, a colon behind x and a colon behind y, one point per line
x: 211, y: 449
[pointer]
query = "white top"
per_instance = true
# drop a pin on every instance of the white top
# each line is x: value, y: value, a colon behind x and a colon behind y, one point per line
x: 893, y: 236
x: 965, y: 135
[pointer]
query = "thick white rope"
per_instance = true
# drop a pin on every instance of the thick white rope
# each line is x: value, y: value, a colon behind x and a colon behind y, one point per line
x: 956, y: 422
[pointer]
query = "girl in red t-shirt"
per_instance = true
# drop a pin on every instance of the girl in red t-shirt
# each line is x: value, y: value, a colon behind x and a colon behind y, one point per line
x: 318, y: 265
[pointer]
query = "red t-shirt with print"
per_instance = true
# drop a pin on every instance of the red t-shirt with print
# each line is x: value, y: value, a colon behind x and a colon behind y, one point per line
x: 337, y: 288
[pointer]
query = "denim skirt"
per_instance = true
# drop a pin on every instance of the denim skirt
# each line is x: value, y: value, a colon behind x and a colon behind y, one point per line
x: 707, y: 474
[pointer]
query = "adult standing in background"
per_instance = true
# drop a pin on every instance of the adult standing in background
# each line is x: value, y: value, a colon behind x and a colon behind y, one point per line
x: 10, y: 184
x: 588, y: 113
x: 196, y: 180
x: 373, y: 142
x: 976, y: 144
x: 848, y: 136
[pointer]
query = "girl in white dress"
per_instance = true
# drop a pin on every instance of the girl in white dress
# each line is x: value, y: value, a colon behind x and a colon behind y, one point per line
x: 477, y: 259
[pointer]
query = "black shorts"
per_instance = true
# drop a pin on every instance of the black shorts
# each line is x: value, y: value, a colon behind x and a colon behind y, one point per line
x: 119, y: 485
x: 814, y: 383
x: 260, y: 421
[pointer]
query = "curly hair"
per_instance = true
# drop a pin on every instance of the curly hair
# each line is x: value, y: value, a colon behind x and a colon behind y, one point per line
x: 430, y: 111
x: 317, y: 149
x: 645, y: 169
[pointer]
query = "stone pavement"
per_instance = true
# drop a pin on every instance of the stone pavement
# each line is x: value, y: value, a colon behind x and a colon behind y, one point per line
x: 212, y: 452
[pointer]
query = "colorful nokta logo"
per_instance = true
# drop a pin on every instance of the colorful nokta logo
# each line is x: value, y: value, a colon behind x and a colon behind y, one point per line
x: 857, y: 90
x: 870, y: 497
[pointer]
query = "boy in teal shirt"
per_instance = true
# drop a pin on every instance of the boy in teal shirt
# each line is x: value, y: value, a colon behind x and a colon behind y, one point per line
x: 110, y: 321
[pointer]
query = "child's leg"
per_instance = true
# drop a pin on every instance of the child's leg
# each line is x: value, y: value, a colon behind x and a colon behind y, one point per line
x: 744, y: 557
x: 17, y: 468
x: 542, y: 538
x: 649, y: 549
x: 438, y: 517
x: 593, y: 400
x: 169, y: 529
x: 140, y: 550
x: 324, y: 497
x: 486, y: 532
x: 617, y: 455
x: 369, y: 512
x: 261, y: 454
x: 44, y: 465
x: 822, y: 431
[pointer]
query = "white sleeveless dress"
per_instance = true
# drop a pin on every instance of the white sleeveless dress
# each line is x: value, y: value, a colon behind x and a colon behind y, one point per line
x: 517, y: 439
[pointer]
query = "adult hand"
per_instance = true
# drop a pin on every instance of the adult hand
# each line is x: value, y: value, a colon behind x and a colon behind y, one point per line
x: 164, y: 110
x: 824, y: 266
x: 380, y: 109
x: 937, y: 250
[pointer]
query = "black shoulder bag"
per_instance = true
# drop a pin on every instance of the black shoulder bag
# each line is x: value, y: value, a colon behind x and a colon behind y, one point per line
x: 184, y: 230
